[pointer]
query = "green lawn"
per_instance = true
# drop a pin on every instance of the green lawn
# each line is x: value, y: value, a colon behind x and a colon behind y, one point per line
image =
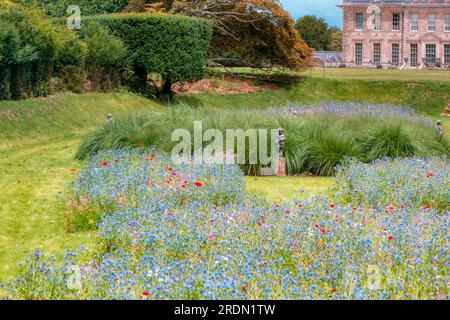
x: 379, y: 74
x: 31, y: 177
x: 38, y: 138
x: 278, y: 189
x: 366, y: 74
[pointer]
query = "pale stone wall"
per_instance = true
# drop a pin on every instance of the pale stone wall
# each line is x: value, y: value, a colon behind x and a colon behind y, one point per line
x: 404, y: 37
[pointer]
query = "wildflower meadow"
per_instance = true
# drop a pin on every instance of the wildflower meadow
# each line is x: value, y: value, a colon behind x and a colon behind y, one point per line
x: 193, y: 232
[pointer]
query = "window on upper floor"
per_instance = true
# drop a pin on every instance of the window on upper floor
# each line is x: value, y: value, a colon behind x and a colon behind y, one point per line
x: 396, y: 22
x: 414, y: 22
x: 447, y: 22
x: 431, y: 22
x: 359, y: 21
x: 377, y: 24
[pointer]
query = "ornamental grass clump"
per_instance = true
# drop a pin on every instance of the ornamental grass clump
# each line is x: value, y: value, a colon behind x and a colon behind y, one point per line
x: 314, y: 143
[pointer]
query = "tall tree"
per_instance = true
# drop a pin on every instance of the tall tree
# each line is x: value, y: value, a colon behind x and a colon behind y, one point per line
x: 135, y: 6
x: 336, y: 39
x: 259, y: 31
x: 315, y: 32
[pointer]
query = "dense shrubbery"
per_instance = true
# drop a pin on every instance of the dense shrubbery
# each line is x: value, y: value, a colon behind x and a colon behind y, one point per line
x: 106, y: 57
x: 28, y: 50
x: 173, y: 48
x: 58, y: 8
x: 32, y: 51
x: 316, y: 143
x: 109, y: 50
x: 190, y: 232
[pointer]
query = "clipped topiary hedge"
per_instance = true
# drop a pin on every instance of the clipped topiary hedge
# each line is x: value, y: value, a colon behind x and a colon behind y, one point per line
x: 171, y: 46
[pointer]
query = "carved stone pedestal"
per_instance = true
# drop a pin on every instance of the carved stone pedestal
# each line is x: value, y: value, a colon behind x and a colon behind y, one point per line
x: 281, y: 168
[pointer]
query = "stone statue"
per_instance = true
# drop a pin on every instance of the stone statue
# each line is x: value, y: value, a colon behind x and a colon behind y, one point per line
x: 280, y: 142
x: 439, y: 127
x: 109, y: 119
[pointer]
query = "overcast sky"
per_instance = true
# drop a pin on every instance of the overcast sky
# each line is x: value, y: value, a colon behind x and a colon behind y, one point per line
x: 321, y: 8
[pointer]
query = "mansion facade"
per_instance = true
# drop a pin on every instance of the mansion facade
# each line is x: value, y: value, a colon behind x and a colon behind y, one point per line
x: 396, y: 33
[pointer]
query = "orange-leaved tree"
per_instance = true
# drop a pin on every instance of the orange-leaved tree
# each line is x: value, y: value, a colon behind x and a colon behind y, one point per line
x: 260, y: 32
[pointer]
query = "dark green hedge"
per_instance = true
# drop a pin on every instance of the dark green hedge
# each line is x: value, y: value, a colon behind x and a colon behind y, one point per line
x: 58, y: 8
x: 32, y: 51
x: 28, y: 48
x: 171, y: 46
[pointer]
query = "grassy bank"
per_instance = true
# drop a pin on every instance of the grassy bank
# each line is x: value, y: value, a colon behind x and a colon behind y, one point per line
x: 429, y: 97
x: 57, y: 115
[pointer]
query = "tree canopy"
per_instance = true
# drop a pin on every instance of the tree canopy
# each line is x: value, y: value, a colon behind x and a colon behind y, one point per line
x: 317, y: 34
x: 259, y: 31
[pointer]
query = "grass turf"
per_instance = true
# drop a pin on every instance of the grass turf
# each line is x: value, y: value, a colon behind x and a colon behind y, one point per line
x: 279, y: 189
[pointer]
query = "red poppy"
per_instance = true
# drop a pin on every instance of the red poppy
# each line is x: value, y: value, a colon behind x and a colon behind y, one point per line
x: 390, y: 238
x: 332, y: 290
x: 426, y: 206
x: 332, y: 206
x: 430, y: 175
x: 323, y: 230
x: 105, y: 164
x: 183, y: 186
x: 146, y: 159
x: 244, y: 288
x: 316, y: 225
x: 116, y: 161
x: 198, y: 183
x: 153, y: 156
x: 145, y: 293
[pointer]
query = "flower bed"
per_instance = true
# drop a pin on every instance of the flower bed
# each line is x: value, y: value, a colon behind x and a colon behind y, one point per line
x: 351, y: 109
x: 398, y: 182
x: 209, y: 239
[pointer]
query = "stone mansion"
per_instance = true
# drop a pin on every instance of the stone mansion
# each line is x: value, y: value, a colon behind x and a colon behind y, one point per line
x: 396, y: 33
